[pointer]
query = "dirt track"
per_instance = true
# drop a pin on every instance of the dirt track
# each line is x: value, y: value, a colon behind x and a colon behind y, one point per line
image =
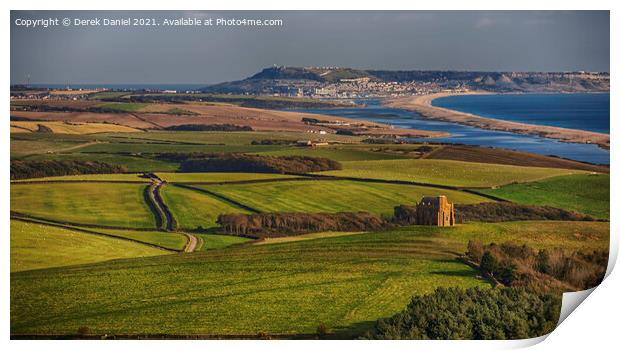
x: 191, y: 243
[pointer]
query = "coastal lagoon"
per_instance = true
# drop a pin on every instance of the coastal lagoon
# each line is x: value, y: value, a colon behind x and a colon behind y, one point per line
x: 468, y: 135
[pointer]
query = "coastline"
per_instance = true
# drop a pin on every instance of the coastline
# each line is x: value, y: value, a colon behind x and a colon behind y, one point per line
x: 422, y: 104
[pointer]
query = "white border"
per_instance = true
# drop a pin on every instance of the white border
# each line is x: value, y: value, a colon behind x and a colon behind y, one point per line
x: 594, y: 324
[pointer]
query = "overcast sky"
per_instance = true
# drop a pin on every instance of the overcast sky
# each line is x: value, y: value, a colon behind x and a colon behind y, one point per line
x: 406, y: 40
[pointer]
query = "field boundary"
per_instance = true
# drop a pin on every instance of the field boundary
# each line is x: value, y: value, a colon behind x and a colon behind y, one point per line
x: 218, y: 196
x: 16, y: 215
x: 82, y: 230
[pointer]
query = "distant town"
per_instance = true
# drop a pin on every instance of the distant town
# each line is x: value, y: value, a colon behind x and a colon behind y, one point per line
x: 348, y: 83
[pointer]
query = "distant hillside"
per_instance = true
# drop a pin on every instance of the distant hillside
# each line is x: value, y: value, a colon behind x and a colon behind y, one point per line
x: 282, y: 79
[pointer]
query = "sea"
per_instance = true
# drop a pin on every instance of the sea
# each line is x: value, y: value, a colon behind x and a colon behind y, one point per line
x: 461, y: 134
x: 574, y: 111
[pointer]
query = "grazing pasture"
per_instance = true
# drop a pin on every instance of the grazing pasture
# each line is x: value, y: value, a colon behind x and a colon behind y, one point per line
x: 278, y: 288
x: 584, y: 193
x: 169, y: 240
x: 446, y: 172
x: 238, y: 138
x: 193, y: 209
x: 133, y: 163
x: 38, y: 246
x: 85, y: 203
x: 337, y: 154
x: 332, y: 196
x: 91, y: 177
x: 211, y: 242
x: 219, y: 177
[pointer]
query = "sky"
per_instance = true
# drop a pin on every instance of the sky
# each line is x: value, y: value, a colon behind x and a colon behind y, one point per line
x: 391, y: 40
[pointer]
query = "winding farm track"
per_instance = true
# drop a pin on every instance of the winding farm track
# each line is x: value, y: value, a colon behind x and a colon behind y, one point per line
x: 192, y: 243
x: 165, y: 220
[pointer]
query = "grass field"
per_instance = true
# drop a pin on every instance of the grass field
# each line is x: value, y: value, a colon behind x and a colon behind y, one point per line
x: 278, y: 288
x: 587, y: 194
x: 211, y: 242
x: 91, y: 177
x: 132, y: 163
x: 305, y: 237
x: 219, y: 177
x: 70, y: 128
x: 338, y: 154
x: 193, y: 209
x: 37, y: 246
x: 446, y: 172
x: 332, y: 196
x: 147, y: 148
x: 170, y: 240
x: 85, y: 203
x: 238, y: 138
x: 24, y: 147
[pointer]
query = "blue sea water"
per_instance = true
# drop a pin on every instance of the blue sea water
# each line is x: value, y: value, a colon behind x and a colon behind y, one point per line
x: 574, y: 111
x: 468, y: 135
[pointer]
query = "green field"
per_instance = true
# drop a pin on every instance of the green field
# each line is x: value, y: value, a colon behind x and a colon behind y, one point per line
x: 194, y: 209
x: 151, y: 149
x: 446, y: 172
x: 237, y: 138
x: 337, y: 154
x: 132, y: 163
x: 91, y: 177
x: 85, y: 203
x: 587, y: 194
x: 278, y: 288
x: 37, y: 246
x: 169, y: 240
x: 219, y: 177
x: 332, y: 196
x: 210, y: 242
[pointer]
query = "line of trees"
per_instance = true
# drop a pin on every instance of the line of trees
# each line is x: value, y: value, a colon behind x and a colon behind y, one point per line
x: 494, y: 212
x: 268, y: 142
x: 547, y: 270
x: 288, y: 224
x: 455, y: 313
x: 237, y: 162
x: 27, y: 169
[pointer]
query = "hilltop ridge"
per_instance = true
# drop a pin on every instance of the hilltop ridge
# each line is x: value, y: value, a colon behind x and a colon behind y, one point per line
x: 330, y: 81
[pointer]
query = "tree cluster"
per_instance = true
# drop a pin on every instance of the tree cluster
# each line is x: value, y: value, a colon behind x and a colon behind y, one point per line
x: 26, y: 169
x: 482, y: 314
x: 290, y: 224
x: 252, y: 163
x: 269, y: 142
x: 547, y: 270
